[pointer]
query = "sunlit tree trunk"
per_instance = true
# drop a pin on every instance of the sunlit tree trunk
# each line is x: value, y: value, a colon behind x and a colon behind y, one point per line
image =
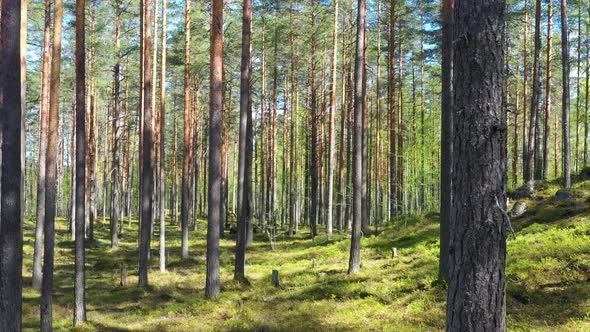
x: 354, y: 263
x: 147, y: 167
x: 548, y: 72
x: 117, y: 131
x: 213, y: 282
x: 162, y: 170
x: 51, y: 166
x: 43, y: 128
x: 565, y: 99
x: 245, y: 144
x: 80, y: 280
x: 185, y: 194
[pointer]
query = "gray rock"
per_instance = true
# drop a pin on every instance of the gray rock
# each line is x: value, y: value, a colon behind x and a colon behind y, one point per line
x: 518, y: 209
x: 562, y: 195
x: 524, y: 191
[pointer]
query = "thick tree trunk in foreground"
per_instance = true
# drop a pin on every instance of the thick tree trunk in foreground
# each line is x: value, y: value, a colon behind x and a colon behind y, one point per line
x: 11, y: 237
x: 213, y: 282
x: 80, y: 283
x: 446, y: 143
x: 51, y: 180
x: 476, y: 294
x: 245, y: 153
x: 565, y: 99
x: 354, y: 263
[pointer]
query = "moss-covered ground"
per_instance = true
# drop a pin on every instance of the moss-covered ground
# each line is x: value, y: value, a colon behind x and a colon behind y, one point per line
x: 548, y: 272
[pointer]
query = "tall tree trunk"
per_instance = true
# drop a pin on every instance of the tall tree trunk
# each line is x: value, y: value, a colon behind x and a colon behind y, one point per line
x: 529, y: 166
x: 11, y: 237
x: 476, y: 293
x: 292, y: 122
x: 174, y: 194
x: 548, y: 71
x: 400, y: 197
x: 586, y: 93
x: 245, y: 153
x: 515, y: 137
x: 354, y: 263
x: 51, y: 167
x: 578, y: 97
x: 272, y: 165
x: 23, y: 76
x: 43, y: 128
x: 365, y: 206
x: 391, y: 112
x: 147, y: 176
x: 378, y: 209
x: 162, y: 170
x: 343, y: 117
x: 186, y: 161
x: 525, y: 96
x: 80, y: 282
x: 263, y: 190
x: 117, y: 131
x: 332, y: 147
x: 73, y: 173
x: 314, y: 130
x: 565, y: 99
x: 213, y: 282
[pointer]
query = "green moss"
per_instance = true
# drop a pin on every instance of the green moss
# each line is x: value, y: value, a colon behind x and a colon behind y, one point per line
x: 548, y: 272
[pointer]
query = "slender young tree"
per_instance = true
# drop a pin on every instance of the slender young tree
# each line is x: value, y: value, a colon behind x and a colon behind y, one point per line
x: 80, y: 282
x: 147, y: 175
x: 11, y: 219
x: 186, y: 161
x: 354, y: 262
x: 477, y: 256
x: 213, y: 282
x: 51, y: 167
x: 565, y: 99
x: 245, y: 152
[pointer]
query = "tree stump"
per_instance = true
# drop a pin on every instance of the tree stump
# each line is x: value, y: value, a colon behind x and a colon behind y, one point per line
x: 275, y: 278
x: 393, y: 252
x: 123, y: 275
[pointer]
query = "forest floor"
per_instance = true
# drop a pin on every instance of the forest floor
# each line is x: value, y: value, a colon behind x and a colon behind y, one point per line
x: 548, y: 273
